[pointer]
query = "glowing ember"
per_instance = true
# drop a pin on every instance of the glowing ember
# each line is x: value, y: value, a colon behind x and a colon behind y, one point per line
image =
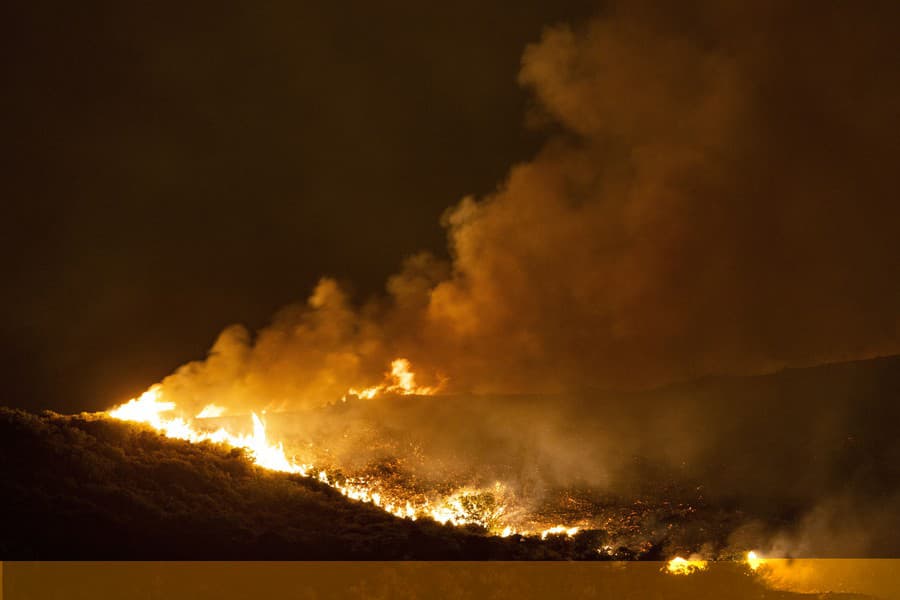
x: 755, y: 561
x: 401, y: 380
x: 685, y: 566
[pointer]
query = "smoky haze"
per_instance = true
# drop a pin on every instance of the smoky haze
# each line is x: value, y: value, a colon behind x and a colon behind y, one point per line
x: 803, y: 462
x: 716, y: 196
x: 662, y: 304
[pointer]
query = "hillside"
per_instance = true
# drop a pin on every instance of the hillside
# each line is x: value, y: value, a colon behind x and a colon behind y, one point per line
x: 85, y: 487
x: 646, y: 475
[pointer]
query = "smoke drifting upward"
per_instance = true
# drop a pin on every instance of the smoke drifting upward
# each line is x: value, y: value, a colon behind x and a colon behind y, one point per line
x: 717, y: 196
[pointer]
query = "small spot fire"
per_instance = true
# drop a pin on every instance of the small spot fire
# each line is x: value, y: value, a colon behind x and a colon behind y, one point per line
x: 400, y: 380
x: 401, y: 448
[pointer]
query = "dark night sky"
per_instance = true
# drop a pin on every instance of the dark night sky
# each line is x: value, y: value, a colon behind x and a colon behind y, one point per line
x: 175, y: 168
x: 661, y: 192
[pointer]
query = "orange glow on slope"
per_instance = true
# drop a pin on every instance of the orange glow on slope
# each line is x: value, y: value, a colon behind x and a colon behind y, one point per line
x: 484, y: 507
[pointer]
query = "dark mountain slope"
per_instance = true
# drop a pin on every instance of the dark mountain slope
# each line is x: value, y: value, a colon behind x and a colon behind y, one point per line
x: 86, y: 487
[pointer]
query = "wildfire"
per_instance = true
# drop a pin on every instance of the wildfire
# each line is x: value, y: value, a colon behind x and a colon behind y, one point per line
x: 483, y: 507
x: 755, y: 561
x: 146, y: 408
x: 559, y: 530
x: 400, y: 380
x: 210, y: 411
x: 149, y: 409
x: 685, y: 566
x: 688, y: 566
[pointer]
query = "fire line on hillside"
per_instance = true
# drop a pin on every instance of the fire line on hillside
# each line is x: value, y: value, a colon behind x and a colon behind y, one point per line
x: 464, y: 506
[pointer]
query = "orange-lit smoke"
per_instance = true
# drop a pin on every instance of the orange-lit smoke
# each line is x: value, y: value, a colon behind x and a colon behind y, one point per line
x: 714, y: 198
x: 680, y: 222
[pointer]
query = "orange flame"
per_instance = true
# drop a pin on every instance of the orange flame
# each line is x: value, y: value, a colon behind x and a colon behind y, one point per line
x: 559, y: 530
x: 400, y: 380
x: 484, y: 507
x: 686, y: 566
x: 148, y: 409
x: 755, y: 561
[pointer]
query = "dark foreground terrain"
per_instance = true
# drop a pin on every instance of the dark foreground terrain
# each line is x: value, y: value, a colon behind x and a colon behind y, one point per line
x: 85, y: 487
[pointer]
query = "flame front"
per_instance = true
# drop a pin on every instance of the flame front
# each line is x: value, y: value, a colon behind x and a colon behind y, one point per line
x: 488, y: 508
x: 484, y: 507
x: 559, y: 530
x: 686, y: 566
x: 150, y: 410
x: 146, y: 408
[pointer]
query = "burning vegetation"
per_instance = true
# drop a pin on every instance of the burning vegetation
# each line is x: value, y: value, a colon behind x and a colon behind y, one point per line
x: 581, y: 378
x: 91, y: 487
x: 408, y: 476
x: 405, y: 476
x: 96, y: 488
x: 400, y: 380
x: 485, y: 508
x: 411, y: 455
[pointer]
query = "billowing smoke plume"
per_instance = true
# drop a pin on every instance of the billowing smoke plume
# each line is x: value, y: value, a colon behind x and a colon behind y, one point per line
x: 717, y: 196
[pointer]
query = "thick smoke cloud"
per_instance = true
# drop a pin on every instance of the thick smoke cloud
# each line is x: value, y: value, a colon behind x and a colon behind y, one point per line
x: 705, y: 210
x: 716, y: 196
